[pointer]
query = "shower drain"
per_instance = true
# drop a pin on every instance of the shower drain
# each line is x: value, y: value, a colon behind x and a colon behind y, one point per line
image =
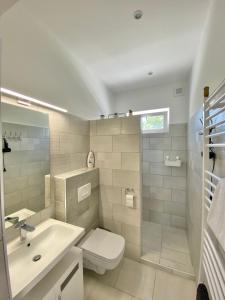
x: 36, y: 257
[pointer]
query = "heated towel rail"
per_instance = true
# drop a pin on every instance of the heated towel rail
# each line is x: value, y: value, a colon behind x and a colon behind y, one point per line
x: 212, y: 271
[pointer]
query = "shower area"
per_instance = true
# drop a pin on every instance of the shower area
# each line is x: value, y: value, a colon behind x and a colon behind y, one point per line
x: 164, y: 215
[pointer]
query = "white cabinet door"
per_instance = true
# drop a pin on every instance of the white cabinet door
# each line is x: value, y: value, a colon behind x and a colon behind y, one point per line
x: 72, y: 287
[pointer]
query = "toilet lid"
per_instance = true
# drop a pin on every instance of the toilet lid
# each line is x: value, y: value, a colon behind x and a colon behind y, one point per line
x: 105, y: 244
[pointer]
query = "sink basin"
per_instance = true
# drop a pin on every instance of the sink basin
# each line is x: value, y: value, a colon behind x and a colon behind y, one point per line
x: 29, y: 262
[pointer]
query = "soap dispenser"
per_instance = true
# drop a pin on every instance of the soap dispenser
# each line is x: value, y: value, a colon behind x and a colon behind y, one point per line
x: 91, y: 160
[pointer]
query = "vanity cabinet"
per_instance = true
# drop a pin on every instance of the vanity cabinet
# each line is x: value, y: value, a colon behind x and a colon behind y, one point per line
x: 63, y: 282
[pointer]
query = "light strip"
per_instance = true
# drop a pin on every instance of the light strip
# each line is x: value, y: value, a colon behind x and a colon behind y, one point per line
x: 151, y: 111
x: 24, y: 102
x: 32, y: 100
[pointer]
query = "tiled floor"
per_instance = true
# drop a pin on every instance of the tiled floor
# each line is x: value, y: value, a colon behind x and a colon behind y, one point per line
x: 166, y: 246
x: 136, y: 281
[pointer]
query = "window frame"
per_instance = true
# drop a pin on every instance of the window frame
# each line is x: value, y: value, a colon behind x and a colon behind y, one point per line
x: 158, y: 112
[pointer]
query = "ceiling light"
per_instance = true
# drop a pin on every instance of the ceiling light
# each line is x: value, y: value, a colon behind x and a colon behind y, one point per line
x: 32, y: 100
x: 138, y: 14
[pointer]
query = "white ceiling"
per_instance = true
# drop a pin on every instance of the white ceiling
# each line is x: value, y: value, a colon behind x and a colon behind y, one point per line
x: 70, y: 45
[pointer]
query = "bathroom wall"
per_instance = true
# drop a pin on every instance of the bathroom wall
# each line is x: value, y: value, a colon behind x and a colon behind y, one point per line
x: 69, y: 142
x: 154, y: 97
x: 164, y: 188
x: 208, y: 70
x: 68, y: 209
x: 116, y: 144
x: 26, y: 167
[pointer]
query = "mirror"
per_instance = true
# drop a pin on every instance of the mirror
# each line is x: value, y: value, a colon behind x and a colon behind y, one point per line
x: 26, y: 161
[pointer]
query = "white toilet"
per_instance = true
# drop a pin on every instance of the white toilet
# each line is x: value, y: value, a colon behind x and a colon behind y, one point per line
x: 102, y: 250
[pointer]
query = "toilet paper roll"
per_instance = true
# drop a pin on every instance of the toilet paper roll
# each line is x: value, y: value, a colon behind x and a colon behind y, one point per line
x: 130, y: 201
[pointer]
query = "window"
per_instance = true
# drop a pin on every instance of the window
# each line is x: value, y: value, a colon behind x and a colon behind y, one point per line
x: 155, y: 121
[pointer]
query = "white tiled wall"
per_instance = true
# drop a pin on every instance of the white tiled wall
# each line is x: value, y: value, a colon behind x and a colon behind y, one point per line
x: 116, y: 144
x: 164, y: 188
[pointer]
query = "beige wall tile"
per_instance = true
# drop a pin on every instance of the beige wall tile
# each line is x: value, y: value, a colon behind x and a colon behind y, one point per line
x: 79, y: 126
x: 112, y: 225
x: 105, y: 211
x: 126, y: 215
x: 60, y: 211
x: 110, y: 194
x: 131, y: 161
x: 108, y: 160
x: 77, y: 161
x: 105, y: 176
x: 101, y: 143
x: 59, y: 122
x: 131, y: 233
x: 126, y: 143
x: 93, y: 127
x: 130, y: 125
x: 108, y: 126
x: 127, y: 179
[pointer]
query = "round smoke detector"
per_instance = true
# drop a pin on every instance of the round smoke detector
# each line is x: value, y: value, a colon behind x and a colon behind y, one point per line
x: 138, y: 14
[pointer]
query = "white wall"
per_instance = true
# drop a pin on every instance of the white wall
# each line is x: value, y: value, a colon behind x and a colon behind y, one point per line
x: 208, y: 70
x: 209, y: 67
x: 159, y: 96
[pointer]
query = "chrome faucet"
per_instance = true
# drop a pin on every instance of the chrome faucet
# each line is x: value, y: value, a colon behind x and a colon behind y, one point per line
x: 22, y: 225
x: 13, y: 220
x: 24, y: 228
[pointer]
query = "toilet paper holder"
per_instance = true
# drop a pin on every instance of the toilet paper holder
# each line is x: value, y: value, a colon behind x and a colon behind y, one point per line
x: 129, y: 190
x: 130, y: 198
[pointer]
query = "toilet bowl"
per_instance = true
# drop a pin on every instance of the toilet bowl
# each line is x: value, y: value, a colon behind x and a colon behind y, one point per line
x: 102, y: 250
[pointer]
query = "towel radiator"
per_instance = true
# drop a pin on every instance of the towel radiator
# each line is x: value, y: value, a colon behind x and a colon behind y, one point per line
x: 212, y: 268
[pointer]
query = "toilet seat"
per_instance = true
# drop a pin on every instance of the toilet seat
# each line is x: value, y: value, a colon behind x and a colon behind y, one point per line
x: 103, y: 249
x: 103, y: 244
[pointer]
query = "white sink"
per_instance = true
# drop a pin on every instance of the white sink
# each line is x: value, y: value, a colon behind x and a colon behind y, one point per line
x: 51, y: 239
